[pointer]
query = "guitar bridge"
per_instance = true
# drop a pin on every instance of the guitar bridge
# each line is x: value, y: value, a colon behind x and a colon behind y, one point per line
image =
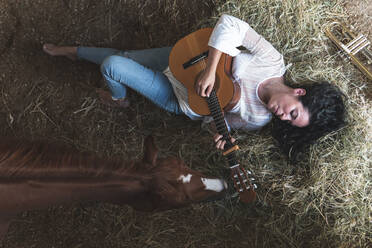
x: 195, y: 60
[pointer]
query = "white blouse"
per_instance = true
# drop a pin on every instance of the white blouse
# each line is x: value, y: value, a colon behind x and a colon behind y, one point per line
x: 250, y: 68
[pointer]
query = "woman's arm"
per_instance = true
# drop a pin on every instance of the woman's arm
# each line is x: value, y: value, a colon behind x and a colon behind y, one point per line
x: 230, y: 33
x: 205, y: 82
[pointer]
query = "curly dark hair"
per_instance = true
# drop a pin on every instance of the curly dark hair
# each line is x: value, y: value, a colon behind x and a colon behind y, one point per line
x: 325, y: 103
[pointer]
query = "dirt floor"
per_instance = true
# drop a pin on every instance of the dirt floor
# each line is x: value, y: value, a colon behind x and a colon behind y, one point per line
x: 55, y: 99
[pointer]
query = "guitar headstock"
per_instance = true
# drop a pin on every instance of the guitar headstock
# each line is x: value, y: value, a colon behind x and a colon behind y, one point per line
x: 243, y: 182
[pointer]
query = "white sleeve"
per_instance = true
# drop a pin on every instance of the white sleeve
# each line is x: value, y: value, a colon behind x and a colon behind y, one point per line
x: 230, y: 33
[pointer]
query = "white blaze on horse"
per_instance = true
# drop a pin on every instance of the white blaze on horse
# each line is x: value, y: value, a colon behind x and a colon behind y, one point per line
x: 35, y: 175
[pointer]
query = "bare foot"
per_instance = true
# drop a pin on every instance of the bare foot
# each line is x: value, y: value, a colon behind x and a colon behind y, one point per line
x: 107, y: 100
x: 67, y: 51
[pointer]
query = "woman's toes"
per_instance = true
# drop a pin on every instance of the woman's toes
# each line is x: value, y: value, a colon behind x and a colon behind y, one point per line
x: 67, y: 51
x: 49, y: 49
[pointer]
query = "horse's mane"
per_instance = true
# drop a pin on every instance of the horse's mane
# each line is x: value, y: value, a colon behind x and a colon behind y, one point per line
x: 23, y: 159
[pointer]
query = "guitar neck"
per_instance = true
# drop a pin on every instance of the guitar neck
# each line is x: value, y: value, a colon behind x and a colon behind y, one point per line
x: 219, y: 120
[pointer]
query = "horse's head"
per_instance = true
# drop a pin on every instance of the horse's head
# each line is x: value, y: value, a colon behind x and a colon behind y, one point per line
x: 173, y: 184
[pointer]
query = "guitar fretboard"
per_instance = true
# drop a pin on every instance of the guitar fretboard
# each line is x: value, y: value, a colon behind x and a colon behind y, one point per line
x: 219, y: 120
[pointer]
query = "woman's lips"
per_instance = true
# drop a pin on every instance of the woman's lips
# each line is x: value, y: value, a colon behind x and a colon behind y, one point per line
x: 276, y: 110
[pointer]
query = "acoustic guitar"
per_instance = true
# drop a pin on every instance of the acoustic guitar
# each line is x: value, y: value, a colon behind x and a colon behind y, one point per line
x: 187, y: 60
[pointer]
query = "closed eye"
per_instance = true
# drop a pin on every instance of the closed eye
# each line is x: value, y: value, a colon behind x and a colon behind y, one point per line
x: 294, y: 114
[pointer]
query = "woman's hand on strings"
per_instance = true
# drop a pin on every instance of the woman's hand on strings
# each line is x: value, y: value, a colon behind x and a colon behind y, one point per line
x: 205, y: 83
x: 220, y: 143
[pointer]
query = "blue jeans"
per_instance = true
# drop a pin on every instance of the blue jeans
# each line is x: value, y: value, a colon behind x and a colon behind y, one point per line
x: 140, y: 70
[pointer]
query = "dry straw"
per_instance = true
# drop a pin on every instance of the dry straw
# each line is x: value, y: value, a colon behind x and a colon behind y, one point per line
x: 327, y: 195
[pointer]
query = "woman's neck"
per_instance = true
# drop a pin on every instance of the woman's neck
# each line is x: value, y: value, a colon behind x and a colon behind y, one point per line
x: 271, y: 86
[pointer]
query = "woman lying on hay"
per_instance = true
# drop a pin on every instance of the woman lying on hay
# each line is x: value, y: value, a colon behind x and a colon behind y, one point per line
x: 301, y: 114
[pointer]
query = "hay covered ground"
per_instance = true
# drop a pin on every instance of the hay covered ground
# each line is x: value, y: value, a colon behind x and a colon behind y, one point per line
x: 322, y: 201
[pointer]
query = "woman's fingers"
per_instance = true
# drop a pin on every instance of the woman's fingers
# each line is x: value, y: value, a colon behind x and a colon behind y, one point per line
x: 216, y: 137
x: 220, y: 144
x: 200, y: 89
x: 204, y: 84
x: 204, y: 90
x: 208, y: 91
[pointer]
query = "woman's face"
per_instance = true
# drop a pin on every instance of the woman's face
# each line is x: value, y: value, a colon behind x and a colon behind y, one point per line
x: 287, y: 107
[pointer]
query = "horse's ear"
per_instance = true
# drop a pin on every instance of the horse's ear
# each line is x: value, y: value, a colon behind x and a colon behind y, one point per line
x: 151, y: 151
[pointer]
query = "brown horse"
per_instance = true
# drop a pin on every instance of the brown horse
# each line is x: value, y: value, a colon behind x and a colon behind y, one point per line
x: 35, y: 175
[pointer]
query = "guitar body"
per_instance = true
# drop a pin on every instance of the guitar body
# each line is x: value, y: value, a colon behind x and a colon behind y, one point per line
x: 189, y: 47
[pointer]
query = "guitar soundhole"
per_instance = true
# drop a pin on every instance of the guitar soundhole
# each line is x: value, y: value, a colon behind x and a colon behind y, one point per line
x: 216, y: 83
